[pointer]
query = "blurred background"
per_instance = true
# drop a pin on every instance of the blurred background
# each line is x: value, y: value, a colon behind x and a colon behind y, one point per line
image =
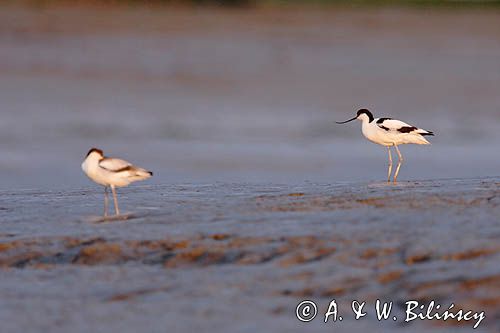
x: 246, y: 91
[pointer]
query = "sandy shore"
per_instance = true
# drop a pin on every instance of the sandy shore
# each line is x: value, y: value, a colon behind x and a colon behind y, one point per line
x: 235, y: 257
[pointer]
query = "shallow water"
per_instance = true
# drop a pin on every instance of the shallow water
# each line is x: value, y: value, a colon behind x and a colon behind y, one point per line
x: 207, y: 95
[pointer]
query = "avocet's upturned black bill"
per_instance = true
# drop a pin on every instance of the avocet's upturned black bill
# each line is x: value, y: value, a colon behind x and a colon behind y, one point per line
x: 343, y: 122
x: 359, y: 113
x: 112, y: 172
x: 390, y: 133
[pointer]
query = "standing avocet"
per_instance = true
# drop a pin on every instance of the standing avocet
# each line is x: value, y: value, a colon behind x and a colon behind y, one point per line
x: 389, y: 132
x: 112, y: 172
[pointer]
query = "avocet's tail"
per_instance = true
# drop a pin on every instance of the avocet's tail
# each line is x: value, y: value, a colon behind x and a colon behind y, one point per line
x: 136, y: 173
x: 419, y: 134
x: 424, y: 132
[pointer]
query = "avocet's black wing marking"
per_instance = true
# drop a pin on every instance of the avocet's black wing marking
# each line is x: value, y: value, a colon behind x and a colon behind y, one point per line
x: 390, y: 124
x: 393, y: 125
x: 407, y: 129
x: 381, y: 120
x: 380, y: 123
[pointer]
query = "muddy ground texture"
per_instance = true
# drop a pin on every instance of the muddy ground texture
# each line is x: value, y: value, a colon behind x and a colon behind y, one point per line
x: 195, y: 255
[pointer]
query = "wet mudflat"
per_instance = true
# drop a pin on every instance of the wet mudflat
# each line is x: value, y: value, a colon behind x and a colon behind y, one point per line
x: 232, y: 257
x: 249, y: 98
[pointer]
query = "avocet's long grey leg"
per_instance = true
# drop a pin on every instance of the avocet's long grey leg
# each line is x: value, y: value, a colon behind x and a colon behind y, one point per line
x: 390, y: 164
x: 399, y: 163
x: 106, y: 201
x: 117, y: 210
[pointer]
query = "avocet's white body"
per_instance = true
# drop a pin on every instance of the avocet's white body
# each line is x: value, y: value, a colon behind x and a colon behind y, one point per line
x: 387, y: 132
x: 390, y: 133
x: 112, y: 172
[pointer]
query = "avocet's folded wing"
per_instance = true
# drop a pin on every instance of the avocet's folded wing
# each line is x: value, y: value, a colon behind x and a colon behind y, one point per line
x: 114, y: 164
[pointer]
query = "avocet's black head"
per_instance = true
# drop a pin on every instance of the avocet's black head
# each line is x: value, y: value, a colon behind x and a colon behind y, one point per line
x: 366, y: 112
x: 95, y: 150
x: 362, y: 113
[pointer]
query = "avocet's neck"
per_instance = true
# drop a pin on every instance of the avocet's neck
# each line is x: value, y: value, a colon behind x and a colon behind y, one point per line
x: 365, y: 119
x: 91, y: 161
x: 366, y: 124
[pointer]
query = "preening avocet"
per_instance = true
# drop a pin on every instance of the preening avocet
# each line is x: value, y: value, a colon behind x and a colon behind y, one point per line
x: 112, y: 172
x: 390, y: 133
